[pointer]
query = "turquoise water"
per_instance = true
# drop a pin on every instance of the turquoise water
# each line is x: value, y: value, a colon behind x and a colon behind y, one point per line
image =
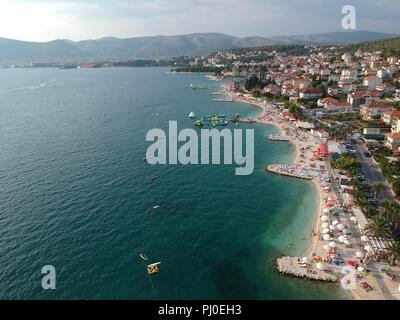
x: 76, y: 194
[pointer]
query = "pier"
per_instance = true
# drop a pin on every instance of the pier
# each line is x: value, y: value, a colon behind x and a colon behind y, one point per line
x: 291, y: 266
x: 289, y: 171
x: 223, y: 100
x: 249, y: 120
x: 278, y: 138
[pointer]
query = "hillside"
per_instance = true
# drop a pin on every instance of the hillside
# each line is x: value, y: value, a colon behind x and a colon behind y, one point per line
x: 387, y: 46
x: 157, y: 47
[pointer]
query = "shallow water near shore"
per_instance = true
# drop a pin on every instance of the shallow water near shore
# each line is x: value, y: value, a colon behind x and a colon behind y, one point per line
x: 77, y: 194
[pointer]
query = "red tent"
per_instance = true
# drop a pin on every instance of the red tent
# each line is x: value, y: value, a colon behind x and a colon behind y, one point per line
x: 323, y: 150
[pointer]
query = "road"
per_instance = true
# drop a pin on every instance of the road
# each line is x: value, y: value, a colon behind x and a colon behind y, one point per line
x: 372, y: 172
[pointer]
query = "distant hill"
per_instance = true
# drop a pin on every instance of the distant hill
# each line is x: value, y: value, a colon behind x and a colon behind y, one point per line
x: 350, y: 37
x: 158, y: 47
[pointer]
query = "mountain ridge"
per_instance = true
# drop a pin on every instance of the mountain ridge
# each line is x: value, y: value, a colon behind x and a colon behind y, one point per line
x: 161, y: 47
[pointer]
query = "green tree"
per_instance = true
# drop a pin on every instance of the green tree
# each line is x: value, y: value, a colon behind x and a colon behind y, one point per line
x: 377, y: 189
x: 377, y: 227
x: 394, y: 251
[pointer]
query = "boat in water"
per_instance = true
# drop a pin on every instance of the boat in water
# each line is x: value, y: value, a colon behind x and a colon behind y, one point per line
x: 199, y: 123
x: 192, y: 115
x: 144, y: 257
x: 153, y: 268
x: 154, y: 177
x: 214, y: 120
x: 196, y: 87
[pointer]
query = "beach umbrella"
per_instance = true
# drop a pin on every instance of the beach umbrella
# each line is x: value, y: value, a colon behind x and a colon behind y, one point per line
x: 332, y: 244
x: 324, y: 218
x: 326, y: 247
x: 347, y: 242
x: 340, y: 227
x: 306, y: 260
x: 368, y: 248
x: 325, y: 231
x: 359, y: 254
x: 351, y: 263
x: 364, y: 239
x: 335, y: 222
x: 354, y: 219
x: 326, y: 237
x: 326, y: 210
x: 332, y: 227
x: 325, y: 225
x: 342, y: 238
x: 361, y: 269
x: 321, y: 266
x: 346, y: 231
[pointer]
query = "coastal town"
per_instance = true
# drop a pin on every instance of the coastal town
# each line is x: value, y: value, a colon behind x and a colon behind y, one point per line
x: 341, y: 109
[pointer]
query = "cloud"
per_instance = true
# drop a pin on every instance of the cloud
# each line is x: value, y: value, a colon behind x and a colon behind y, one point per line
x: 80, y: 19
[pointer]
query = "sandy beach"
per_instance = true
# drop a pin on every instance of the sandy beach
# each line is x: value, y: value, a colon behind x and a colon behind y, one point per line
x: 306, y: 146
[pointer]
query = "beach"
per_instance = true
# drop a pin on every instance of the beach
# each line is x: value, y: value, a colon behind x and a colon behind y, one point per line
x: 320, y: 173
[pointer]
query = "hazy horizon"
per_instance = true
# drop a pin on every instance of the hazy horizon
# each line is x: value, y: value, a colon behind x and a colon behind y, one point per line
x: 46, y: 20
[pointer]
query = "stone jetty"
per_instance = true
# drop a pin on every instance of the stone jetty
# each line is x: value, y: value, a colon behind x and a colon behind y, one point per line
x: 278, y: 138
x: 289, y: 266
x: 290, y: 171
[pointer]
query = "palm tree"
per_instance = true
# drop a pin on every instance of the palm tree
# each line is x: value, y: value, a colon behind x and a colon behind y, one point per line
x: 388, y: 208
x: 394, y: 251
x: 377, y: 188
x: 377, y: 227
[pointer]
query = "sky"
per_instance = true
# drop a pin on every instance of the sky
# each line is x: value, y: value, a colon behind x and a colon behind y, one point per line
x: 45, y: 20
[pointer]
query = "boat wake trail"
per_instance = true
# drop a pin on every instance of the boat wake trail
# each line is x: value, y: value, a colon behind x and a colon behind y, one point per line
x: 42, y: 85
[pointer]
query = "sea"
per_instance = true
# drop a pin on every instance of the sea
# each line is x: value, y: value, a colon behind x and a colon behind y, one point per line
x: 77, y: 195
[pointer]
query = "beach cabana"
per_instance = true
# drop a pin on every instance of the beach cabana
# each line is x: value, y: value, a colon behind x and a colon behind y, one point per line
x: 306, y: 260
x: 325, y: 225
x: 325, y: 231
x: 364, y: 239
x: 321, y: 266
x: 340, y: 227
x: 324, y: 218
x: 359, y: 254
x: 332, y: 244
x: 347, y: 243
x: 368, y: 248
x: 326, y: 237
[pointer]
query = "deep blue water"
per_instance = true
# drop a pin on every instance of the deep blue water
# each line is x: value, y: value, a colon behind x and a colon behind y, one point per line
x: 76, y: 194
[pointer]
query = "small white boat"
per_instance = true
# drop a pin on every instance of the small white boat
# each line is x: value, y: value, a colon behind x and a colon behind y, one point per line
x: 144, y: 257
x: 156, y: 207
x: 192, y: 115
